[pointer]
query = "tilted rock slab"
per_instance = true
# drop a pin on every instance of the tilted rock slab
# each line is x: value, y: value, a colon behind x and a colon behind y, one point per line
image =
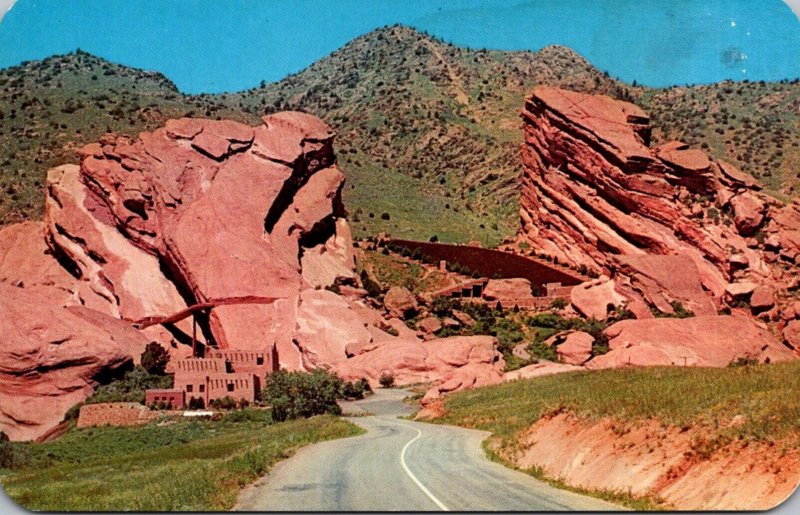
x: 199, y: 211
x: 596, y: 194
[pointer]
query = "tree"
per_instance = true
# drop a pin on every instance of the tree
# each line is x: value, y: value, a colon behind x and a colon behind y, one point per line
x: 155, y: 359
x: 302, y: 395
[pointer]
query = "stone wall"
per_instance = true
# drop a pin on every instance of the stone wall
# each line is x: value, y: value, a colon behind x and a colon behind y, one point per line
x: 115, y: 414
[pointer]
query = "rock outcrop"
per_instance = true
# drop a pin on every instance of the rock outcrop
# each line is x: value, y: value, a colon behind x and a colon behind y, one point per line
x: 50, y: 359
x: 674, y: 229
x: 247, y: 220
x: 703, y: 341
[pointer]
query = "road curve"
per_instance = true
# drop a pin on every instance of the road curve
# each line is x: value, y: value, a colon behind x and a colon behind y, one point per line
x: 400, y: 465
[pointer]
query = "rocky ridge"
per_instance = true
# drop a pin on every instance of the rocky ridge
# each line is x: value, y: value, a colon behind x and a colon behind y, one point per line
x: 668, y: 229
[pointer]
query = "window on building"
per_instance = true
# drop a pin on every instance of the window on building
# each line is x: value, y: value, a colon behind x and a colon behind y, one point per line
x: 260, y: 360
x: 230, y: 387
x: 202, y: 388
x: 189, y: 388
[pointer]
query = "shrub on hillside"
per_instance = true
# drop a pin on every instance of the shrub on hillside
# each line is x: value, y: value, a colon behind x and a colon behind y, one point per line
x: 302, y: 395
x: 154, y: 359
x: 373, y: 288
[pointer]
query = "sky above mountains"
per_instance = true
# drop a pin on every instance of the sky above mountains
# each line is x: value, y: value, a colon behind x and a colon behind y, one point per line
x: 211, y: 46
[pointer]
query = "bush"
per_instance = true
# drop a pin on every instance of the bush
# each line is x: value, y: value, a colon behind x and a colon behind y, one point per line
x: 386, y: 380
x: 225, y: 403
x: 302, y: 395
x: 558, y: 303
x: 196, y: 403
x: 155, y: 359
x: 443, y: 306
x: 355, y: 390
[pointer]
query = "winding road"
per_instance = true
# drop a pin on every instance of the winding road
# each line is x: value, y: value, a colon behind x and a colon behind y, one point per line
x: 400, y: 465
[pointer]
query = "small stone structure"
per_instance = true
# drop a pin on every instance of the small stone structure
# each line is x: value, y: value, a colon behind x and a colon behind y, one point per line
x: 115, y: 414
x: 174, y: 398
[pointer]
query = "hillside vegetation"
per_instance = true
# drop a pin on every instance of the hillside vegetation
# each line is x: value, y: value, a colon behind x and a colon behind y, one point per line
x: 428, y: 132
x: 763, y: 396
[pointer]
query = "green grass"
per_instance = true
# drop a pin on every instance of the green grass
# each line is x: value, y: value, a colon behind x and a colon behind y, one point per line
x: 183, y: 466
x: 768, y: 396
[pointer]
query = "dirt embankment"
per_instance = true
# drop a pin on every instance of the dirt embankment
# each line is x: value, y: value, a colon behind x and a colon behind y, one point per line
x: 682, y: 467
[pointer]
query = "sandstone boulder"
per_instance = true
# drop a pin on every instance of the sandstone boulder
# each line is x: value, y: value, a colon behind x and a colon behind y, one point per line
x: 414, y: 361
x: 748, y: 213
x: 400, y: 302
x: 763, y: 298
x: 593, y: 299
x: 540, y: 370
x: 507, y: 291
x: 430, y: 325
x: 463, y: 318
x: 740, y: 290
x: 572, y: 347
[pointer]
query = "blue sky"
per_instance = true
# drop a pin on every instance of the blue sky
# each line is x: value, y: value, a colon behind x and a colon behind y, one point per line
x: 228, y: 45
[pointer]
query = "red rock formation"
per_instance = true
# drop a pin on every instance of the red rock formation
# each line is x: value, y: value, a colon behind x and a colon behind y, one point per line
x: 50, y: 359
x: 668, y: 223
x: 199, y: 212
x: 704, y: 341
x: 572, y: 347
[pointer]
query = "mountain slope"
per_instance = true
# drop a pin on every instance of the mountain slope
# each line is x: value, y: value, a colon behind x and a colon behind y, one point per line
x: 429, y: 132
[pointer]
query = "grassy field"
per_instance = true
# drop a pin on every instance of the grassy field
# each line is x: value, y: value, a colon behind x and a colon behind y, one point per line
x: 183, y: 466
x: 768, y: 396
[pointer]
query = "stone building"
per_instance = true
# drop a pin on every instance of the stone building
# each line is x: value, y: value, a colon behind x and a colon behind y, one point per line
x: 237, y: 374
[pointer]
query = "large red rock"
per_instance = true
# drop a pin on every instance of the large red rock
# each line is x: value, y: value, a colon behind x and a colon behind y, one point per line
x: 51, y: 357
x: 542, y: 369
x: 763, y: 298
x: 572, y: 347
x: 662, y: 280
x: 748, y: 213
x: 708, y: 341
x: 328, y: 325
x: 216, y: 210
x: 508, y: 291
x: 411, y: 360
x: 594, y: 299
x: 400, y: 302
x: 595, y: 194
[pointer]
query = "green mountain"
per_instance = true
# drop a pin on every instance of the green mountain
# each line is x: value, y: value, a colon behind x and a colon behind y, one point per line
x: 428, y: 132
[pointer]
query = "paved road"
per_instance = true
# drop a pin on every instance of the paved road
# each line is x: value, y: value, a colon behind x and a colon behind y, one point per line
x: 399, y: 465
